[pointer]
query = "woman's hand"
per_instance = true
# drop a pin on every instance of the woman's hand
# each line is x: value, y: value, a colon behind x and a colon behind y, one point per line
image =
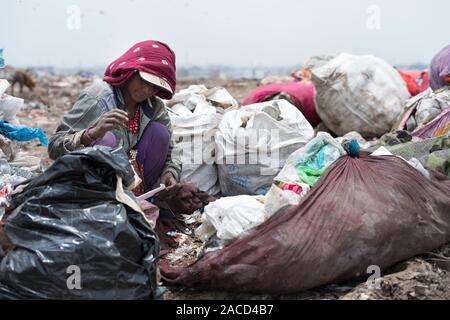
x: 111, y: 120
x: 171, y: 186
x: 168, y: 179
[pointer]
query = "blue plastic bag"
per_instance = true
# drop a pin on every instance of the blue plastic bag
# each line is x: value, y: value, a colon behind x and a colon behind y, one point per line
x: 22, y: 133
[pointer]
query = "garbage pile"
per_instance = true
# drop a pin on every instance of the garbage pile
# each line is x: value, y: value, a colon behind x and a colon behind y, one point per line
x: 342, y: 200
x: 16, y: 165
x: 427, y: 115
x: 267, y: 203
x: 351, y: 201
x: 45, y: 104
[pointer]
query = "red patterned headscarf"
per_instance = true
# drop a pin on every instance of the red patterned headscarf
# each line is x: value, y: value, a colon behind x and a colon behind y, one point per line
x: 149, y: 56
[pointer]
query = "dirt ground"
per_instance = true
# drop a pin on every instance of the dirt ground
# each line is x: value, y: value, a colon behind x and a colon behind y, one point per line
x: 425, y: 277
x: 421, y: 278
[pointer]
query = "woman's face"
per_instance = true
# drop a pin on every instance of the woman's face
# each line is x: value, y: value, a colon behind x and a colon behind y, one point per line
x: 139, y: 89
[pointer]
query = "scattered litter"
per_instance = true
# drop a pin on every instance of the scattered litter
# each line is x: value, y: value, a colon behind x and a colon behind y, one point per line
x: 427, y: 115
x: 356, y: 136
x: 231, y: 216
x: 9, y: 107
x: 8, y: 147
x: 381, y: 151
x: 396, y: 137
x: 5, y: 198
x: 416, y: 279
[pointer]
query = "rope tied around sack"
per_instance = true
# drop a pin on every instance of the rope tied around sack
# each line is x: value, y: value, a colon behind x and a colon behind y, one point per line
x: 351, y: 147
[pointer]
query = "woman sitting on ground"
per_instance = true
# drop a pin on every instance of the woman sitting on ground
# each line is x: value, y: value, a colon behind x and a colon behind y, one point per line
x: 123, y: 110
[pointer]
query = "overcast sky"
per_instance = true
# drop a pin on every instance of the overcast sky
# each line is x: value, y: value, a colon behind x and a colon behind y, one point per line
x: 230, y: 32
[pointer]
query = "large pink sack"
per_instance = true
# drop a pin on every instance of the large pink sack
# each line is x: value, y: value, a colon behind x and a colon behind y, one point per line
x: 302, y: 94
x: 363, y: 211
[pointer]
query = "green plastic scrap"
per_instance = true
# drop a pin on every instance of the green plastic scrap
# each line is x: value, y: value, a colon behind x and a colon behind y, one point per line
x: 319, y: 157
x: 439, y: 161
x: 309, y: 175
x: 417, y: 149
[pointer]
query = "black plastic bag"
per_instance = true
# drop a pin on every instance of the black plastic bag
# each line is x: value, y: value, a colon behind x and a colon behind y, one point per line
x: 68, y: 224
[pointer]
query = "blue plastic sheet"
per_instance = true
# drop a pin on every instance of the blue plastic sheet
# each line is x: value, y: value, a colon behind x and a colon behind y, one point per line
x: 2, y: 61
x: 22, y: 133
